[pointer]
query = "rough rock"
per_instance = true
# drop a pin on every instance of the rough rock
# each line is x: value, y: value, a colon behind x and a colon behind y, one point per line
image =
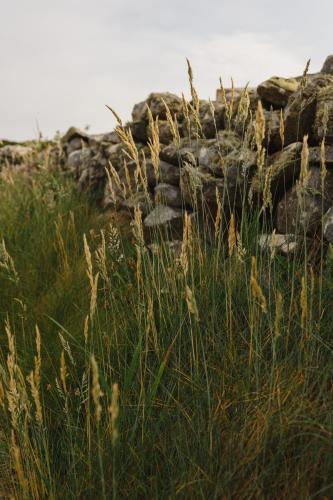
x: 234, y: 95
x: 282, y: 171
x: 93, y: 175
x: 129, y: 181
x: 165, y: 134
x: 74, y: 139
x: 276, y: 91
x: 198, y: 186
x: 178, y: 156
x: 175, y: 246
x: 300, y: 113
x: 104, y: 138
x: 78, y: 160
x: 286, y: 244
x: 212, y: 153
x: 162, y: 217
x: 73, y: 133
x: 115, y: 155
x: 227, y: 157
x: 272, y: 141
x: 139, y: 131
x: 167, y: 173
x: 301, y: 209
x: 137, y: 200
x: 328, y: 66
x: 315, y: 156
x: 166, y: 194
x: 328, y: 225
x: 157, y: 107
x: 212, y: 118
x: 324, y: 107
x: 14, y: 154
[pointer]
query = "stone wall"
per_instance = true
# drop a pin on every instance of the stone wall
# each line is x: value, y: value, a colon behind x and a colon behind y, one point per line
x: 269, y: 147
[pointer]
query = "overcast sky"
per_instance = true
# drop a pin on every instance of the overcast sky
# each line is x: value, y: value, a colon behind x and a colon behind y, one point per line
x: 61, y: 61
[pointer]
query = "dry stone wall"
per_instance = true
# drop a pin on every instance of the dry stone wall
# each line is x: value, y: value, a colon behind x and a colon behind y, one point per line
x: 244, y: 149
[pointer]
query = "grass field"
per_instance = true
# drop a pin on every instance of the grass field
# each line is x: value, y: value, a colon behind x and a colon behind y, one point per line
x: 131, y: 374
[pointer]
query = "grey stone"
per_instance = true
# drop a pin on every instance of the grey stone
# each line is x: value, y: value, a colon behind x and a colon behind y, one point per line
x: 139, y: 131
x: 98, y: 141
x: 272, y: 141
x: 165, y: 133
x: 301, y: 209
x: 168, y: 173
x: 286, y: 244
x: 136, y: 200
x: 162, y: 217
x: 282, y: 170
x: 175, y: 246
x: 14, y: 154
x: 157, y: 107
x: 115, y: 155
x: 74, y: 144
x: 328, y: 225
x: 324, y: 107
x: 199, y: 187
x: 178, y: 156
x: 212, y: 118
x: 300, y: 112
x: 74, y: 132
x: 235, y: 96
x: 93, y: 177
x: 328, y: 66
x: 78, y: 160
x: 276, y: 91
x: 315, y: 156
x: 225, y: 158
x: 166, y: 194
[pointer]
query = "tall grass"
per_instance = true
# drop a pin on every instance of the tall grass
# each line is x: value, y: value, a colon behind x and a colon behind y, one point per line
x: 131, y: 373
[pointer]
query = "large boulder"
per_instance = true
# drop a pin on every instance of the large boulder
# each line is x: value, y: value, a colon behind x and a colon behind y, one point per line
x: 169, y: 195
x: 212, y: 118
x: 14, y: 154
x: 136, y: 200
x: 74, y: 132
x: 167, y: 173
x: 93, y: 175
x: 276, y: 91
x: 161, y: 218
x: 285, y: 244
x: 302, y: 208
x: 157, y: 107
x: 300, y: 113
x: 328, y: 225
x: 227, y: 156
x: 327, y: 68
x: 199, y: 187
x: 165, y: 134
x: 315, y: 157
x: 187, y: 152
x: 121, y: 187
x: 324, y: 113
x: 272, y: 141
x: 115, y: 155
x: 139, y: 131
x: 78, y: 160
x: 282, y: 170
x: 74, y: 139
x: 233, y: 97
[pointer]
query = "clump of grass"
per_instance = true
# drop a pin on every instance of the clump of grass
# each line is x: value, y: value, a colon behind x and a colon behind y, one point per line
x: 127, y: 373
